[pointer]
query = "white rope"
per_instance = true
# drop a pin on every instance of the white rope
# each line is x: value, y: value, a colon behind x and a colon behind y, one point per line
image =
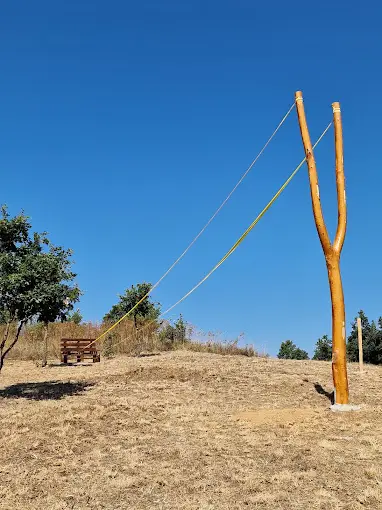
x: 202, y: 230
x: 229, y: 253
x: 238, y: 242
x: 224, y: 201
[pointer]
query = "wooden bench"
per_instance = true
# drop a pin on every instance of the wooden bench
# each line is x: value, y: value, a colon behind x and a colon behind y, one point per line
x: 80, y: 348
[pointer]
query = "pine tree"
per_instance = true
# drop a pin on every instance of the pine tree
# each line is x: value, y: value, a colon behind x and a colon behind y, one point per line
x: 288, y: 350
x: 323, y: 350
x: 371, y: 340
x: 352, y: 343
x: 372, y: 347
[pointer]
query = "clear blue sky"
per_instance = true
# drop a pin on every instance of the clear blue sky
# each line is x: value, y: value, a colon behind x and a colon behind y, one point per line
x: 124, y: 125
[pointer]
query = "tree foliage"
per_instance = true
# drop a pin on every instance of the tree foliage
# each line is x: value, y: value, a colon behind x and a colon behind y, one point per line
x: 288, y: 350
x: 75, y: 317
x: 174, y: 334
x: 323, y: 350
x: 147, y: 310
x: 36, y: 281
x: 371, y: 337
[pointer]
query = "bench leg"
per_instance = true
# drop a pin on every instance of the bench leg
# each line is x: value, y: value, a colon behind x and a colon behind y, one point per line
x: 78, y: 358
x: 64, y: 358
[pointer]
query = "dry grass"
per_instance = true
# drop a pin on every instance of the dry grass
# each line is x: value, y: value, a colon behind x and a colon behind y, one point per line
x: 224, y: 348
x: 30, y: 345
x: 188, y: 431
x: 124, y: 339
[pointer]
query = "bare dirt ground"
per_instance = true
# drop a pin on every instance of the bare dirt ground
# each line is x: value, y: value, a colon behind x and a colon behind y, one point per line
x: 187, y: 431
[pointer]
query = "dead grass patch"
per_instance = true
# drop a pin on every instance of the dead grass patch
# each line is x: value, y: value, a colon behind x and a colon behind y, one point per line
x: 276, y: 416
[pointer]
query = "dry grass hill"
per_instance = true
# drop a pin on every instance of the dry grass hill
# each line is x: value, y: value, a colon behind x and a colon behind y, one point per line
x: 190, y: 431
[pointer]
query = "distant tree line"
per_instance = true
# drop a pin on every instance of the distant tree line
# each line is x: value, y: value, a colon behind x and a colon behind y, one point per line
x: 372, y: 344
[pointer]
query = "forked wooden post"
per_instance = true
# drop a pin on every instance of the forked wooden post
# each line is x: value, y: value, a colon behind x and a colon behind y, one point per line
x: 332, y: 251
x: 360, y: 346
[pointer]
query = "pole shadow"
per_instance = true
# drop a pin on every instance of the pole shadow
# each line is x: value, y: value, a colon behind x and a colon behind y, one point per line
x: 322, y: 391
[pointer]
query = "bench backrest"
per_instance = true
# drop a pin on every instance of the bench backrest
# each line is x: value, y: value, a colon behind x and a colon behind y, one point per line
x: 78, y: 344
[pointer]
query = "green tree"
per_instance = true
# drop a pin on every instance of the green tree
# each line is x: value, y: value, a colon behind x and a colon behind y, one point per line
x: 36, y: 281
x: 371, y: 340
x: 75, y: 317
x: 174, y: 334
x: 147, y: 310
x: 288, y: 350
x: 180, y: 329
x: 372, y: 349
x: 352, y: 342
x: 323, y: 350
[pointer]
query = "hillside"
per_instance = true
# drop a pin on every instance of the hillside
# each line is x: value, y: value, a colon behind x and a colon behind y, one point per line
x: 187, y: 431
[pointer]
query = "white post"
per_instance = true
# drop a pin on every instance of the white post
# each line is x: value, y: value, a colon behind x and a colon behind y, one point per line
x: 360, y: 348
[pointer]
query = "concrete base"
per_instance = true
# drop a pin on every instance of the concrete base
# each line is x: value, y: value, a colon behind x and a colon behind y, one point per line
x: 336, y: 408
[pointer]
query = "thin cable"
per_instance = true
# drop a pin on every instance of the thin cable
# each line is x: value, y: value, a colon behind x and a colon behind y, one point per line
x: 243, y: 236
x: 238, y: 242
x: 203, y: 229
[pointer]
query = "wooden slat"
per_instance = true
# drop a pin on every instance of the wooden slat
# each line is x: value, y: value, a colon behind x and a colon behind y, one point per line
x: 85, y: 356
x: 74, y: 355
x: 81, y: 346
x: 66, y: 349
x: 77, y: 340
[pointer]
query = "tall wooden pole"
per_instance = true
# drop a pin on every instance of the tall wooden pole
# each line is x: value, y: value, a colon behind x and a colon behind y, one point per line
x: 332, y: 252
x: 360, y: 346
